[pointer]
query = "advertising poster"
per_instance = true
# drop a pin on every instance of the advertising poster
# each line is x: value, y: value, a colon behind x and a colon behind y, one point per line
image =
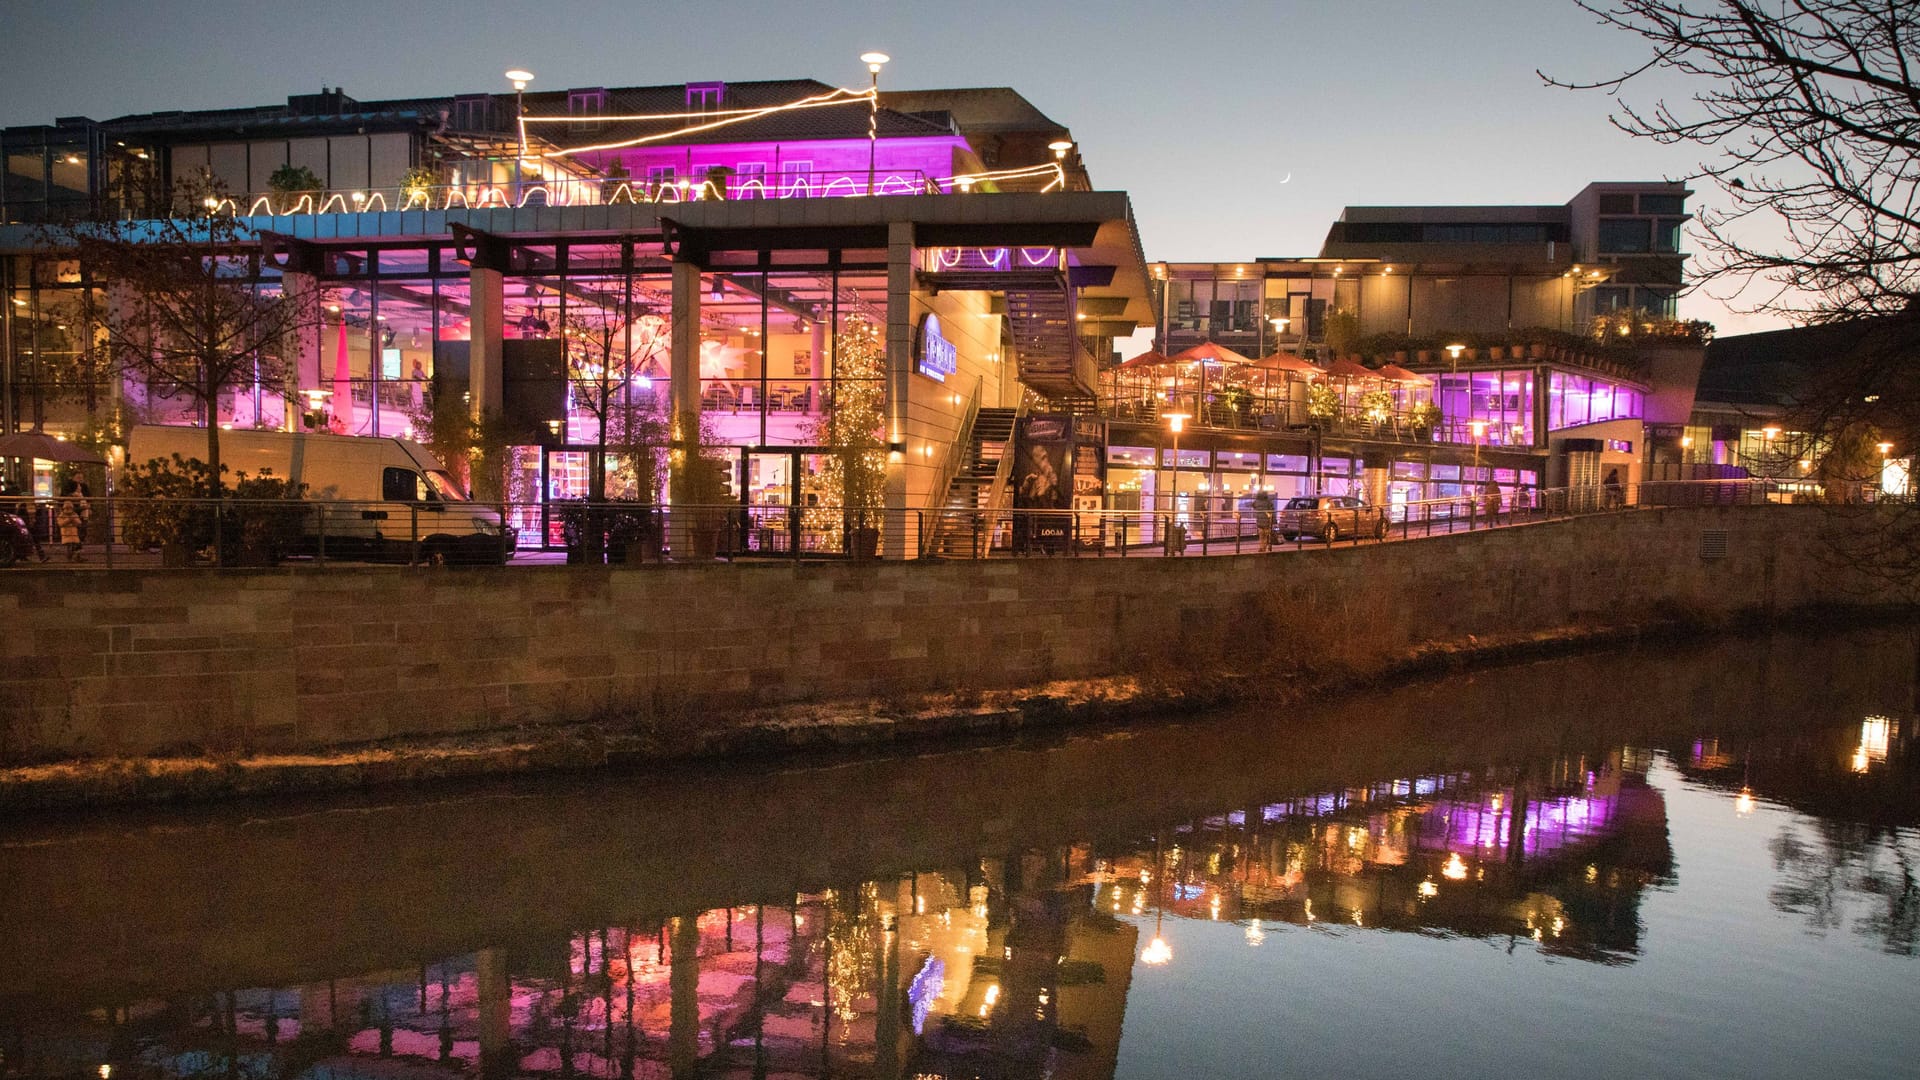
x: 1043, y: 480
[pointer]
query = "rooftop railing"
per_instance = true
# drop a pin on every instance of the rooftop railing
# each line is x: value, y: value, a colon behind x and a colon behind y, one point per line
x: 611, y: 191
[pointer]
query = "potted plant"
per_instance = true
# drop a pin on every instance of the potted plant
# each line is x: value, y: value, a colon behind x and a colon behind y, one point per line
x: 289, y: 183
x: 416, y: 185
x: 1323, y: 402
x: 163, y: 508
x: 1423, y: 417
x: 266, y: 518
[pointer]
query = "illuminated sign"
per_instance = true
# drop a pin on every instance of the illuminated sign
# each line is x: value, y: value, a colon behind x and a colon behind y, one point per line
x: 936, y: 358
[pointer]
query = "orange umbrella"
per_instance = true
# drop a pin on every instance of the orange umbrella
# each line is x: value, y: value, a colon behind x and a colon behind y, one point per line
x: 1397, y: 374
x: 1286, y: 361
x: 1348, y: 368
x: 1208, y: 353
x: 1150, y: 358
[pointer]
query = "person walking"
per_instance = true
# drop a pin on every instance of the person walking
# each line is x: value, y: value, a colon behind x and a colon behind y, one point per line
x: 1263, y: 512
x: 71, y: 515
x: 1616, y: 491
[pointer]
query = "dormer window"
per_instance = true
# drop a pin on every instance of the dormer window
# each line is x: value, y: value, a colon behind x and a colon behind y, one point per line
x: 472, y: 112
x: 586, y: 107
x: 702, y: 96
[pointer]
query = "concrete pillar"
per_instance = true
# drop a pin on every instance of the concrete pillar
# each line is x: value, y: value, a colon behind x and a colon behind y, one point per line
x: 684, y: 391
x: 899, y: 537
x: 488, y: 312
x: 302, y: 291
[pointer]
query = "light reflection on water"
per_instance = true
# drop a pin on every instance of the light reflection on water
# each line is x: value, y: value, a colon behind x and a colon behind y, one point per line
x: 1694, y: 864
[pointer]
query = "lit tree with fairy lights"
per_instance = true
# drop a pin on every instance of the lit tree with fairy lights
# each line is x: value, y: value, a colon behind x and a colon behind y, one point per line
x: 851, y: 485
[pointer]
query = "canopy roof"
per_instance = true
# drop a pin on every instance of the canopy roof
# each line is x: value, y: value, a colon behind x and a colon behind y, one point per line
x: 39, y: 444
x: 1348, y: 368
x: 1398, y: 374
x: 1208, y: 353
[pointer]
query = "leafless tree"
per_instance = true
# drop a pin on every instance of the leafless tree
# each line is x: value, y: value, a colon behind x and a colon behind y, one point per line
x: 1807, y: 113
x: 185, y: 311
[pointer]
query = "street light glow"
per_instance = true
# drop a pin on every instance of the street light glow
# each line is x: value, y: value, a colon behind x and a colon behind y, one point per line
x: 520, y: 77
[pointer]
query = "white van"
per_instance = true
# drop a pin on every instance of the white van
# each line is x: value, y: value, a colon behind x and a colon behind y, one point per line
x: 394, y: 494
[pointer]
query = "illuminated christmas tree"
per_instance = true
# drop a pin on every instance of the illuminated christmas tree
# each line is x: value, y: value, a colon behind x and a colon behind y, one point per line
x: 853, y: 478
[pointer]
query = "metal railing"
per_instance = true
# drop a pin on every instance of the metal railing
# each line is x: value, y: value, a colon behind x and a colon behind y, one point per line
x: 608, y: 191
x: 119, y: 532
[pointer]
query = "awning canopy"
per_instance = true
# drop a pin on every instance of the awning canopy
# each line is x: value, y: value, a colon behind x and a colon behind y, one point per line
x: 1396, y: 374
x: 1288, y: 362
x: 39, y: 444
x: 1348, y: 368
x: 1150, y: 358
x: 1208, y: 353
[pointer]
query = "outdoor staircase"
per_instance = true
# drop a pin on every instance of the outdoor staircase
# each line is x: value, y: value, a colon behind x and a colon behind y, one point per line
x: 1046, y: 341
x: 1040, y: 309
x: 973, y: 485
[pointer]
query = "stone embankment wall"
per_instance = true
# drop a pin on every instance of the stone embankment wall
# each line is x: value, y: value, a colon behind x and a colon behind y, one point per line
x: 140, y: 660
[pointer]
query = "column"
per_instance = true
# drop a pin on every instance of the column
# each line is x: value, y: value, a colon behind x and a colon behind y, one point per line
x: 302, y: 291
x: 487, y: 309
x: 898, y: 536
x: 684, y: 388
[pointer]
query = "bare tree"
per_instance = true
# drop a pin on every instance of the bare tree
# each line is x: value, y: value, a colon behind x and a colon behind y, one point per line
x: 1807, y: 117
x: 1807, y: 113
x: 185, y: 310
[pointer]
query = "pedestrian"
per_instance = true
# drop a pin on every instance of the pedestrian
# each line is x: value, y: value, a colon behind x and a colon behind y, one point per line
x: 15, y: 501
x: 71, y: 514
x: 1263, y: 510
x: 1490, y: 502
x: 1616, y: 491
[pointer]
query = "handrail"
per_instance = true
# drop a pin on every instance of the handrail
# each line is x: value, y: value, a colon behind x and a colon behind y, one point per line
x: 956, y: 457
x: 1003, y: 471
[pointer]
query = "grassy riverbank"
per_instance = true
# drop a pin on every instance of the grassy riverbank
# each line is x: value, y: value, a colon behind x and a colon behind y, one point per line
x: 1168, y: 685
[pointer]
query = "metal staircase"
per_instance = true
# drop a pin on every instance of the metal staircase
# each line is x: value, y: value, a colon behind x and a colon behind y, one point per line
x: 1041, y: 308
x: 973, y: 488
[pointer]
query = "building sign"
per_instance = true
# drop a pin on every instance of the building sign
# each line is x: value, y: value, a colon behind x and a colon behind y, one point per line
x: 936, y: 358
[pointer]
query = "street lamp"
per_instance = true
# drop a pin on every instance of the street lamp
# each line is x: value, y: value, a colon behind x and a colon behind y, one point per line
x: 1176, y: 422
x: 1479, y: 432
x: 873, y: 60
x: 519, y: 77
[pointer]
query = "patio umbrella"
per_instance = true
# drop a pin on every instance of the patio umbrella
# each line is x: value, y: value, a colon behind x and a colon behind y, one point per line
x: 1208, y: 353
x: 39, y: 444
x: 1147, y: 359
x: 1287, y: 362
x: 1348, y: 368
x: 1394, y: 373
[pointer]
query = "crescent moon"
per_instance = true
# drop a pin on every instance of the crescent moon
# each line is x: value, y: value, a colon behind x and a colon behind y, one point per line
x: 1286, y: 178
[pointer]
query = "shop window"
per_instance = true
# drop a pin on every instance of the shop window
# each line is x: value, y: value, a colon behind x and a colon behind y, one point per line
x: 659, y: 177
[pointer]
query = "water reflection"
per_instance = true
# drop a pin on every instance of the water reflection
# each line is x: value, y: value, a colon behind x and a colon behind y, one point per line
x: 989, y: 912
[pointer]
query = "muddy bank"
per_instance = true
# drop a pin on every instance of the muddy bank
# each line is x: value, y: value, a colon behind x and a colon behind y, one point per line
x: 848, y: 726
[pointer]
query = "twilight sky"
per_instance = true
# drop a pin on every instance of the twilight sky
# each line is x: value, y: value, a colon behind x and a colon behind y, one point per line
x: 1197, y: 109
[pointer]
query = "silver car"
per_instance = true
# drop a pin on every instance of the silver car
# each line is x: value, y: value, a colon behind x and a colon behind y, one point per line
x: 1331, y: 517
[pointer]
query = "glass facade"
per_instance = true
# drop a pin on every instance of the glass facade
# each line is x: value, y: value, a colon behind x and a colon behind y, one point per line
x: 1573, y: 400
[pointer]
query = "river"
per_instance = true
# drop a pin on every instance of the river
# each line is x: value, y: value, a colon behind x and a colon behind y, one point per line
x: 1668, y: 860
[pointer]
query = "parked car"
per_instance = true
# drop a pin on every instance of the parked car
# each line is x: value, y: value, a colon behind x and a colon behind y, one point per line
x: 387, y: 493
x: 1330, y: 517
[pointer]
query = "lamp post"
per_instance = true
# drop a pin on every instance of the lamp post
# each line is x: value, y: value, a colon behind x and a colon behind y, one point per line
x: 873, y: 60
x: 519, y: 77
x: 1479, y: 432
x: 1060, y: 147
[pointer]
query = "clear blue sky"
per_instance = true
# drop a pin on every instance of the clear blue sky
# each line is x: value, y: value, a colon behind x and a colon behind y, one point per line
x: 1197, y: 109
